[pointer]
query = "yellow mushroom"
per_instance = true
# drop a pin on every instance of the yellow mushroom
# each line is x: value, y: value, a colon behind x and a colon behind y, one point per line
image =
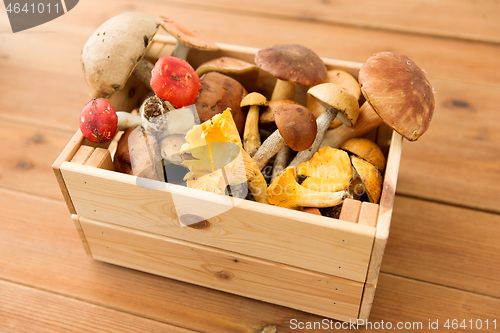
x: 285, y: 192
x: 370, y: 177
x: 329, y: 170
x: 219, y: 159
x: 367, y: 150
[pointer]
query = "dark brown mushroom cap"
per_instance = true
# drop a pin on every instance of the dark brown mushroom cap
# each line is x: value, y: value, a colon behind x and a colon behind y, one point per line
x: 399, y: 92
x: 297, y: 125
x: 219, y: 92
x: 291, y: 62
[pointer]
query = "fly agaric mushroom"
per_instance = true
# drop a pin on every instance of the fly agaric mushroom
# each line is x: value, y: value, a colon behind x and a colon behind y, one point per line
x: 186, y: 39
x: 175, y: 81
x: 370, y: 178
x: 115, y: 50
x: 339, y: 102
x: 367, y: 120
x: 296, y: 128
x: 251, y: 136
x: 367, y: 150
x: 99, y: 122
x: 219, y: 92
x: 291, y: 64
x: 398, y: 90
x: 285, y: 192
x: 340, y: 78
x: 329, y: 170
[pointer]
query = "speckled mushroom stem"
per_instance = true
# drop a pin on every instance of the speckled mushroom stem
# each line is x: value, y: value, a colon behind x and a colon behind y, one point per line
x: 251, y: 135
x: 268, y: 149
x: 281, y: 161
x: 323, y: 122
x: 142, y: 71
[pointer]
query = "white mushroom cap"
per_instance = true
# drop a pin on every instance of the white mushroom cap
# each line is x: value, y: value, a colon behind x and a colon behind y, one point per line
x: 114, y: 49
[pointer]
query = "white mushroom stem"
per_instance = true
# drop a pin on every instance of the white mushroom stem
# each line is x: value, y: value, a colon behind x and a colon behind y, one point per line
x: 181, y: 50
x: 323, y: 122
x: 283, y: 90
x: 268, y: 149
x: 251, y: 135
x: 126, y: 120
x: 281, y: 161
x: 142, y: 71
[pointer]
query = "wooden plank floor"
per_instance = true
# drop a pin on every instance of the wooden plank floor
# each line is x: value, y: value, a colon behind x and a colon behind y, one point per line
x: 441, y: 260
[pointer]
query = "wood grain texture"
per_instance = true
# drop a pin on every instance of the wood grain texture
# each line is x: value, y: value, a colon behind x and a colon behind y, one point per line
x: 25, y: 309
x: 445, y: 245
x: 222, y: 270
x: 278, y: 234
x: 46, y: 252
x: 454, y: 19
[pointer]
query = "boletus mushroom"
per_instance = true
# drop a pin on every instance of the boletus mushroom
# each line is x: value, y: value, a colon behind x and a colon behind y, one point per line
x: 291, y: 64
x: 296, y: 128
x: 398, y: 90
x: 251, y: 136
x: 339, y: 102
x: 115, y: 50
x: 99, y: 121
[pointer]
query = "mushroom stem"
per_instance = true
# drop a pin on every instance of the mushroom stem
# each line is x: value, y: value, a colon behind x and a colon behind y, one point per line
x: 268, y: 149
x: 281, y: 161
x: 368, y: 120
x: 283, y: 90
x: 126, y: 120
x: 181, y: 50
x: 142, y: 71
x: 323, y: 122
x: 251, y: 136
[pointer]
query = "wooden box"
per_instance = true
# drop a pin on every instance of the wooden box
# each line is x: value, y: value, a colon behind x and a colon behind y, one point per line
x: 312, y: 263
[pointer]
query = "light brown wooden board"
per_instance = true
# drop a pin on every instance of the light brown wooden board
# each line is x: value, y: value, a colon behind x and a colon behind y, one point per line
x: 28, y: 309
x: 45, y: 252
x: 459, y: 19
x: 286, y: 236
x: 222, y: 270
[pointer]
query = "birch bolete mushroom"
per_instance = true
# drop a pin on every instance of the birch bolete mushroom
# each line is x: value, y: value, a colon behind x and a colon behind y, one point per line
x: 340, y: 78
x: 296, y: 128
x: 398, y: 90
x: 186, y: 39
x: 339, y: 102
x: 251, y: 135
x: 285, y: 192
x: 367, y: 150
x: 291, y: 64
x: 370, y: 178
x: 115, y: 50
x: 99, y: 121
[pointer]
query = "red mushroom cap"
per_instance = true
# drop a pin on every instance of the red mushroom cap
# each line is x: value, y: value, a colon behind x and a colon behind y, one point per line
x: 98, y: 121
x: 175, y: 81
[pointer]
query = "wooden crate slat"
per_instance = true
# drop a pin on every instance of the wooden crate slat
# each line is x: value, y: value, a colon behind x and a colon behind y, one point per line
x: 251, y: 277
x: 299, y: 239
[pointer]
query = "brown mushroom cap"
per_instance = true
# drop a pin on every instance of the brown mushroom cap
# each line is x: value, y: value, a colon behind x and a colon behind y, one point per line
x: 226, y: 65
x: 297, y: 125
x: 254, y: 98
x: 291, y: 62
x: 398, y: 90
x: 339, y: 98
x: 219, y: 92
x: 186, y: 36
x: 113, y: 50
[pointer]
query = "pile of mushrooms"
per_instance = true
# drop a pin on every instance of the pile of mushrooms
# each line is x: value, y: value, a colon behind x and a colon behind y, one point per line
x: 220, y: 130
